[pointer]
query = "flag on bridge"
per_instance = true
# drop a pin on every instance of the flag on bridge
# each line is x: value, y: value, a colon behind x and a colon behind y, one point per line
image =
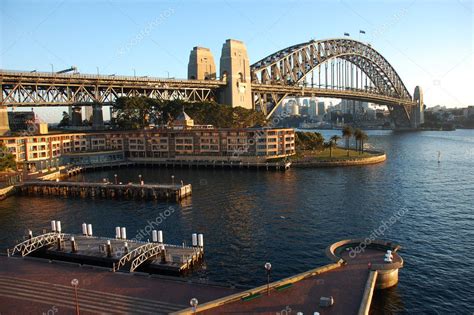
x: 347, y: 34
x: 362, y: 32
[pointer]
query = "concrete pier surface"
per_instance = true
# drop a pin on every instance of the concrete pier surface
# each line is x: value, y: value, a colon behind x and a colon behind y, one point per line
x: 346, y: 286
x: 349, y: 282
x: 35, y: 286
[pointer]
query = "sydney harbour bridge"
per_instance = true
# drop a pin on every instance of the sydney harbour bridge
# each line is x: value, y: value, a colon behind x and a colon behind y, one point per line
x: 334, y: 68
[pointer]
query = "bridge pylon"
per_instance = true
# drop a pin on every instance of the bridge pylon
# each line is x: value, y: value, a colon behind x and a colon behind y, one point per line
x: 235, y: 70
x: 418, y: 111
x: 4, y: 126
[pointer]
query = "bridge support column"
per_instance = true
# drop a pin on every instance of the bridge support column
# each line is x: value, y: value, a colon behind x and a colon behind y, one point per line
x: 235, y: 69
x: 97, y: 117
x: 76, y: 119
x: 4, y: 125
x: 417, y: 115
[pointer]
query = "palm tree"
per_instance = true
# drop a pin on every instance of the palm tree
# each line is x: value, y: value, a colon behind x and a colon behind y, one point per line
x: 328, y: 145
x: 358, y: 136
x: 335, y: 139
x: 363, y: 137
x: 347, y: 133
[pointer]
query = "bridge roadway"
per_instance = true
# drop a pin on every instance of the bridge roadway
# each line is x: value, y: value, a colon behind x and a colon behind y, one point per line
x: 49, y: 89
x: 54, y: 89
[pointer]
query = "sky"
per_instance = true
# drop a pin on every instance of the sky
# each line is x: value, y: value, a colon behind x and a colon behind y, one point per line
x: 429, y: 43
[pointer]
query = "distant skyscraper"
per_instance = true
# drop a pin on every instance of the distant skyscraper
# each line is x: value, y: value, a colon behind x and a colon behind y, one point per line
x: 321, y: 108
x: 313, y: 108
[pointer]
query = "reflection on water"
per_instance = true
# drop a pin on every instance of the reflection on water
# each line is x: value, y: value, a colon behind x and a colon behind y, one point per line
x: 288, y: 218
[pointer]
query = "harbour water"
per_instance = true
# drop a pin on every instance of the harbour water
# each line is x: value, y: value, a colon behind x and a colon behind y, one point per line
x: 249, y: 217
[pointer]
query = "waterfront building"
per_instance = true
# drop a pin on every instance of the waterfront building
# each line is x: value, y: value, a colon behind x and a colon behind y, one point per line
x: 181, y: 141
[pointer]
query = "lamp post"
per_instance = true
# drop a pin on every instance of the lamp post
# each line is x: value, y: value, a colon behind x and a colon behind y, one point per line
x: 75, y: 283
x: 194, y: 303
x: 140, y: 178
x: 268, y: 268
x: 52, y: 68
x: 116, y: 179
x: 172, y: 180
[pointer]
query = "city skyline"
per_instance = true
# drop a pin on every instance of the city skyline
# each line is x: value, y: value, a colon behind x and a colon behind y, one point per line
x: 155, y: 38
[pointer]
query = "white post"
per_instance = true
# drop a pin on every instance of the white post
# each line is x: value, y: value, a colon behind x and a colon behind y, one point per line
x: 201, y: 240
x: 160, y: 237
x: 195, y: 239
x: 58, y: 226
x: 53, y: 226
x: 123, y: 233
x: 117, y: 232
x: 84, y: 229
x: 89, y: 229
x: 154, y: 236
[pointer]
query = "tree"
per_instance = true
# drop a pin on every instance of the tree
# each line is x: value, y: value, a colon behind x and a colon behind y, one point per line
x: 139, y: 112
x: 335, y: 139
x: 358, y: 137
x: 363, y: 137
x: 329, y: 145
x: 309, y: 140
x: 347, y: 133
x: 7, y: 160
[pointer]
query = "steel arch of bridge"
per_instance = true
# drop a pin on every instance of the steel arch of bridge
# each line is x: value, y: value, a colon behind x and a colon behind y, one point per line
x: 284, y: 74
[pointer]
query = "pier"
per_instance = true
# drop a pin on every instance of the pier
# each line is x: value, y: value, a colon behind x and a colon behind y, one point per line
x: 226, y: 164
x: 118, y: 254
x: 345, y: 286
x: 106, y: 190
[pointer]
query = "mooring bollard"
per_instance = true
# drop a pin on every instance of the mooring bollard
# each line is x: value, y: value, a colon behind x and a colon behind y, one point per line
x: 59, y: 242
x: 73, y: 245
x: 58, y: 227
x: 109, y: 249
x: 160, y: 237
x: 195, y: 240
x: 201, y: 241
x: 125, y: 248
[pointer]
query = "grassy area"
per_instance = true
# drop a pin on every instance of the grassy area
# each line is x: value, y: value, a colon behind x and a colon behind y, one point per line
x: 337, y: 154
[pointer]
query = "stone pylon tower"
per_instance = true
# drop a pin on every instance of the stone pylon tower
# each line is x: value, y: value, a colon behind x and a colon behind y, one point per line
x: 417, y: 114
x: 201, y: 64
x: 235, y: 70
x: 4, y: 126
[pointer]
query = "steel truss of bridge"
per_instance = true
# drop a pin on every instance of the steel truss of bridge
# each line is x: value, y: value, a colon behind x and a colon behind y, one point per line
x: 52, y: 89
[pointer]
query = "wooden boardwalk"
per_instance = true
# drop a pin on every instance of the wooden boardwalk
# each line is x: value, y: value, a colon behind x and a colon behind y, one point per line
x: 106, y: 190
